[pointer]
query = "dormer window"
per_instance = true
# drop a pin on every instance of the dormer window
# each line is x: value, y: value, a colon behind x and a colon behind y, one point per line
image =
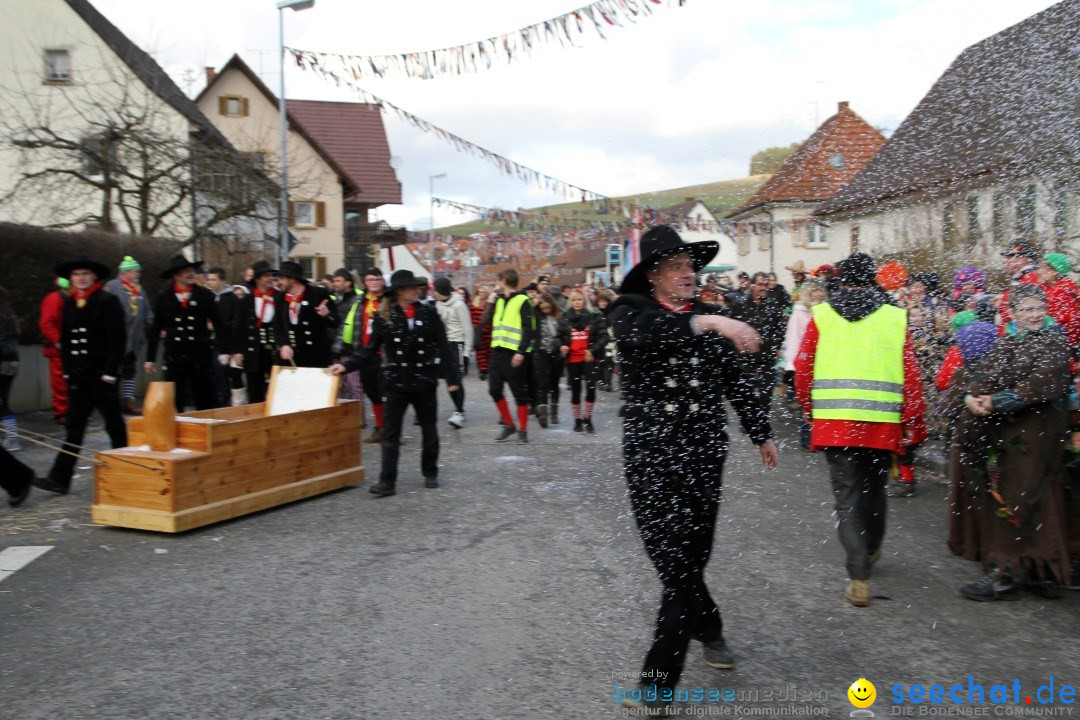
x: 836, y: 160
x: 57, y: 66
x: 232, y: 106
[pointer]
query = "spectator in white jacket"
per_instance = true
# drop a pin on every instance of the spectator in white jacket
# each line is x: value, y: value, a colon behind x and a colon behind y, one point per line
x: 459, y: 333
x: 811, y: 292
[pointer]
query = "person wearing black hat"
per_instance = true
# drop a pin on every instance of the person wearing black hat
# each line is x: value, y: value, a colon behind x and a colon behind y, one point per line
x: 857, y: 378
x: 679, y: 360
x: 415, y: 354
x: 93, y: 340
x: 306, y: 316
x: 188, y: 316
x: 254, y: 333
x: 370, y: 376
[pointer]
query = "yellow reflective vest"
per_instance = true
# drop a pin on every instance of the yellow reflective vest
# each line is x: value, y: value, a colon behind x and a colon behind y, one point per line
x: 859, y: 366
x: 506, y: 328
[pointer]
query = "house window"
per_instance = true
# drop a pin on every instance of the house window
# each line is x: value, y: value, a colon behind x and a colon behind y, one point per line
x: 99, y: 155
x: 817, y: 235
x: 973, y: 223
x: 948, y: 225
x: 57, y: 66
x: 999, y: 216
x: 854, y: 238
x: 312, y: 267
x: 232, y: 106
x: 1025, y: 213
x: 307, y: 214
x: 257, y: 160
x: 1061, y: 214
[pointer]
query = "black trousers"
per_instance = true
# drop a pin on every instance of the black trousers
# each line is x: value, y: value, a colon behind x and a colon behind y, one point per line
x: 194, y: 381
x: 371, y: 381
x: 577, y: 372
x: 859, y: 476
x: 14, y: 476
x: 501, y: 372
x: 458, y: 396
x: 258, y: 380
x: 547, y: 368
x: 675, y: 502
x: 84, y: 396
x: 426, y: 405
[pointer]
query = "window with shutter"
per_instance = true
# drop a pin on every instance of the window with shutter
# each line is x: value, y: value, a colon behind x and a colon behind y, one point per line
x: 232, y: 106
x: 302, y: 214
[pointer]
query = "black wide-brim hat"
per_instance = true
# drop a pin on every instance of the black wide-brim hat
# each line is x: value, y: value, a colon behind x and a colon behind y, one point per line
x: 178, y: 263
x: 659, y: 242
x: 292, y: 270
x: 262, y: 267
x: 82, y: 262
x: 404, y: 279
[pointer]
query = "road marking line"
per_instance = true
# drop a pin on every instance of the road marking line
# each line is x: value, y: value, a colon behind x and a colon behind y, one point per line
x: 16, y: 558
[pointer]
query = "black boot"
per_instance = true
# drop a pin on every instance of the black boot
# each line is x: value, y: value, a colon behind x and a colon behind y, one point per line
x: 54, y: 486
x: 589, y: 426
x: 579, y: 425
x: 554, y: 414
x: 381, y: 489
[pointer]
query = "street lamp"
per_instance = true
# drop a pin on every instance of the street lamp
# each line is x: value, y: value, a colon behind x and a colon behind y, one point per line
x: 283, y: 211
x: 431, y: 210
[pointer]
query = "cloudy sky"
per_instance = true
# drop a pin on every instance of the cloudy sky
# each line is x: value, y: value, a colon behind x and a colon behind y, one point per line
x: 684, y: 97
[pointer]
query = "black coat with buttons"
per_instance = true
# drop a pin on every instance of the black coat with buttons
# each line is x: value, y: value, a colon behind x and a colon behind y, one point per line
x: 311, y: 336
x: 93, y: 338
x: 188, y: 331
x: 249, y: 337
x: 413, y: 359
x: 675, y: 382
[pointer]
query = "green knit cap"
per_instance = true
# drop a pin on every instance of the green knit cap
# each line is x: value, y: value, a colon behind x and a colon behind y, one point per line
x: 964, y: 318
x: 129, y: 263
x: 1059, y: 262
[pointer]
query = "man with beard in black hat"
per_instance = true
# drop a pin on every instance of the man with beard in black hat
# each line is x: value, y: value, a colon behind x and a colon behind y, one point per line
x: 306, y: 316
x: 679, y: 361
x: 93, y: 340
x: 415, y: 354
x: 188, y: 316
x: 254, y: 333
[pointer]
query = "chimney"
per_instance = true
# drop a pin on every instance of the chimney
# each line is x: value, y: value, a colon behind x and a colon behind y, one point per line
x: 211, y: 73
x: 843, y: 106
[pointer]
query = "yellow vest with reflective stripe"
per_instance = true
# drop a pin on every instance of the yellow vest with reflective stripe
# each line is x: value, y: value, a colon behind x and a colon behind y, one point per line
x: 350, y: 322
x: 506, y: 329
x: 859, y: 366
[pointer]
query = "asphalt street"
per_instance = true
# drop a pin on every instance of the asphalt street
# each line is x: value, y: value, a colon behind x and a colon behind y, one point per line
x: 518, y: 589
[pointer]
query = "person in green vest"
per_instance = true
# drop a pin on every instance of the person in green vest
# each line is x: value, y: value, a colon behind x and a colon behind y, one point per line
x: 348, y: 304
x: 857, y: 378
x: 513, y: 335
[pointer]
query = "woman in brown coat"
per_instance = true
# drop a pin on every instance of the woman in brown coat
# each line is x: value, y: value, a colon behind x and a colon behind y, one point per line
x: 1009, y: 444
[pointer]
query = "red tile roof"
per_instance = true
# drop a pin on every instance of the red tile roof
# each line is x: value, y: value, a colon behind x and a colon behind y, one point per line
x: 807, y: 175
x: 353, y: 133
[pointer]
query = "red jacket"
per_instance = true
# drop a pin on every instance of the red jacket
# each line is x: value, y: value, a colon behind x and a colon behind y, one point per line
x: 49, y: 322
x: 953, y: 361
x: 859, y: 433
x: 1063, y: 304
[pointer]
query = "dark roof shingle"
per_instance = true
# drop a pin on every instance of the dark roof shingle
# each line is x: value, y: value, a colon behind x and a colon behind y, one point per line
x: 1009, y: 105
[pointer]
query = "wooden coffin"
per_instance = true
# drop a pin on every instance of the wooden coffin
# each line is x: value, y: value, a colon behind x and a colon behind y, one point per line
x: 228, y: 462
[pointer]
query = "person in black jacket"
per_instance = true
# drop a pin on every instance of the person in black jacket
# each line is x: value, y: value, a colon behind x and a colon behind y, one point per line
x: 765, y: 311
x: 678, y: 366
x: 552, y: 340
x: 415, y: 355
x: 188, y: 316
x: 588, y: 341
x: 93, y: 340
x: 306, y: 315
x: 254, y: 332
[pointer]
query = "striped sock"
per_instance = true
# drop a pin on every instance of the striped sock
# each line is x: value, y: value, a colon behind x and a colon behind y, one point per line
x: 129, y: 388
x: 8, y: 424
x: 588, y: 410
x: 577, y: 410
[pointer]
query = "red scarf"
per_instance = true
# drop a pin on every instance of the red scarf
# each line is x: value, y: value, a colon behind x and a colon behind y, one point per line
x: 294, y: 305
x: 133, y: 289
x: 81, y: 296
x: 184, y: 296
x: 268, y: 302
x: 410, y: 312
x: 674, y: 308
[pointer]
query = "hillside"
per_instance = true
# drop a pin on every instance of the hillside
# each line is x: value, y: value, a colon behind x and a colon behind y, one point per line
x: 718, y: 196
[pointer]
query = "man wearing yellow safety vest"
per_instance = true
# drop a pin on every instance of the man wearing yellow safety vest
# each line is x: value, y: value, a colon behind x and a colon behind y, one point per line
x: 348, y: 305
x: 857, y: 377
x: 513, y: 334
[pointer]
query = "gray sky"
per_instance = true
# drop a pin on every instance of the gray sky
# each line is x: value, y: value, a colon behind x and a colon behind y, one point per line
x: 684, y: 97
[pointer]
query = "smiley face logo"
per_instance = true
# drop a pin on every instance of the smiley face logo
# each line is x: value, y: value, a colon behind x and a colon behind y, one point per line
x: 862, y: 693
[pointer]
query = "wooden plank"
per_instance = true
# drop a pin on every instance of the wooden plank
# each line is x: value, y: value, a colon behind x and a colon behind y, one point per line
x: 235, y: 412
x: 226, y: 509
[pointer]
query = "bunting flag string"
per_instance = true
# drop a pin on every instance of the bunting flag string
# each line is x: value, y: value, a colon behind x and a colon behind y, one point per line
x: 599, y: 17
x: 339, y: 77
x: 532, y: 220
